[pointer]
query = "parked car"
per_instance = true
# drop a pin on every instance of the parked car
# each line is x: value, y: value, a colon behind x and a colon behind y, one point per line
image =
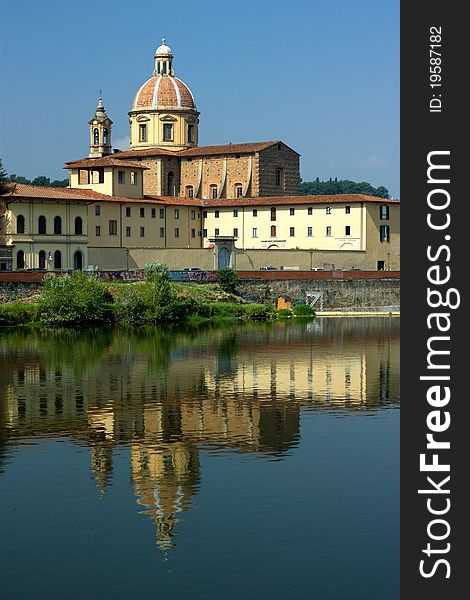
x: 192, y: 269
x: 269, y: 268
x: 317, y: 269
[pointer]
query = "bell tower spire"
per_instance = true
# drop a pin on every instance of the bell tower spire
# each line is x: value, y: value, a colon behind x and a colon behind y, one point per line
x: 100, y: 132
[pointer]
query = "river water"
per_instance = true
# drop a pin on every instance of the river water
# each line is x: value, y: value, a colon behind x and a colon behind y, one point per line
x: 245, y: 461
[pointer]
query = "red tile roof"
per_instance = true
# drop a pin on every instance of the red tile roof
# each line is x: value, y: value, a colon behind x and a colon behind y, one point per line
x: 228, y: 149
x: 163, y: 91
x: 145, y: 152
x: 273, y: 200
x: 105, y: 161
x: 32, y: 191
x: 54, y: 193
x: 216, y: 150
x: 175, y: 200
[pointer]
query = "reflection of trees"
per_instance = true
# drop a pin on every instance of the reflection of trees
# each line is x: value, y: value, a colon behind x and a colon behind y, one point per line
x: 168, y: 392
x: 80, y: 350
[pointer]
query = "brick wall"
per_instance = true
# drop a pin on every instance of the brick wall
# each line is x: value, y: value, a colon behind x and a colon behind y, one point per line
x: 268, y: 160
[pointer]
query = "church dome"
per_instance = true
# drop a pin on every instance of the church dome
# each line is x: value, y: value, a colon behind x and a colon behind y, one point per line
x: 163, y: 50
x: 164, y: 92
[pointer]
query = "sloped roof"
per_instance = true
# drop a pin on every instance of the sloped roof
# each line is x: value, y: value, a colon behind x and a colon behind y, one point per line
x: 273, y: 200
x: 22, y: 190
x: 104, y: 161
x: 228, y: 149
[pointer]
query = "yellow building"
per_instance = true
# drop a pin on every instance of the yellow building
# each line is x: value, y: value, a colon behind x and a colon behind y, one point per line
x: 48, y: 227
x: 203, y: 204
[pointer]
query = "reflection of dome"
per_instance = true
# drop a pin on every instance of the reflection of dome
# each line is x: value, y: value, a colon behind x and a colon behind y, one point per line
x: 164, y: 91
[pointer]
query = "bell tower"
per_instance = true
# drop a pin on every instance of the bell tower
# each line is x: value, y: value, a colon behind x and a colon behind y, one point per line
x: 100, y: 132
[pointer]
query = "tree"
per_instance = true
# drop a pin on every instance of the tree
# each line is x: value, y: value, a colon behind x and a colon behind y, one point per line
x: 341, y: 186
x: 227, y: 279
x: 5, y: 187
x: 42, y: 181
x: 19, y: 179
x: 3, y: 179
x: 63, y: 183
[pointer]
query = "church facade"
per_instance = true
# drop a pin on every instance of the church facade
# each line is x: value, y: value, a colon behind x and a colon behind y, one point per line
x: 169, y: 193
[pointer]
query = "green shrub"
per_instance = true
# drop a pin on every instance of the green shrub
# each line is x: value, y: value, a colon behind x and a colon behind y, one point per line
x: 17, y: 313
x: 303, y: 310
x: 75, y: 299
x: 156, y: 271
x: 259, y: 311
x: 284, y: 313
x: 227, y: 279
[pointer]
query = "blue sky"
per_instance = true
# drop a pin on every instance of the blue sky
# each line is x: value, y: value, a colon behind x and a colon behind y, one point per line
x: 322, y: 75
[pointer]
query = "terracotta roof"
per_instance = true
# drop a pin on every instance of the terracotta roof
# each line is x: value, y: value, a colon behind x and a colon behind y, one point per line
x: 273, y: 200
x: 23, y: 190
x: 198, y: 150
x: 176, y: 200
x: 164, y: 91
x: 145, y: 152
x: 228, y: 149
x: 105, y: 161
x: 54, y: 193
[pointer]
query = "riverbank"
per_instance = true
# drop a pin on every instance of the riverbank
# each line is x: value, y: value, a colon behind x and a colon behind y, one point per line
x: 81, y: 300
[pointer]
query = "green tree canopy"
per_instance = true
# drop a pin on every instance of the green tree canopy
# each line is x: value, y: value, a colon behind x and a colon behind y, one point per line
x: 3, y: 179
x: 41, y: 180
x: 341, y: 186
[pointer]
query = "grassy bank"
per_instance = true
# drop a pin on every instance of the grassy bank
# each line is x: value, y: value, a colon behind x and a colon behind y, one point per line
x: 79, y: 299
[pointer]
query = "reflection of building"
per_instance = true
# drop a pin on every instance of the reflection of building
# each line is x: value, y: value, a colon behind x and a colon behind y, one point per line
x: 165, y: 479
x: 168, y: 192
x: 166, y: 395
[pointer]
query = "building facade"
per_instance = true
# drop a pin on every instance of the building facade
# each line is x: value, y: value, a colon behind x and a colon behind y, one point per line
x: 203, y: 204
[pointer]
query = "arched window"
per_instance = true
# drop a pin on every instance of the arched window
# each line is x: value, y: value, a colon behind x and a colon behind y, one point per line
x: 78, y: 226
x: 42, y: 259
x: 238, y: 190
x: 189, y: 191
x: 57, y: 225
x: 213, y: 191
x: 96, y: 137
x: 42, y: 224
x: 57, y: 259
x: 77, y: 261
x: 273, y: 213
x: 20, y: 224
x: 105, y: 136
x: 171, y: 183
x: 20, y: 259
x: 273, y: 230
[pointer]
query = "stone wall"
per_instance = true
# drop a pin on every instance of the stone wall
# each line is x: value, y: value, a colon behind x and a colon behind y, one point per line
x: 343, y: 293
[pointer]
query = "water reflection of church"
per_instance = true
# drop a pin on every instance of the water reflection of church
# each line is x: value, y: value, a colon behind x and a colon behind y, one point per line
x: 166, y: 396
